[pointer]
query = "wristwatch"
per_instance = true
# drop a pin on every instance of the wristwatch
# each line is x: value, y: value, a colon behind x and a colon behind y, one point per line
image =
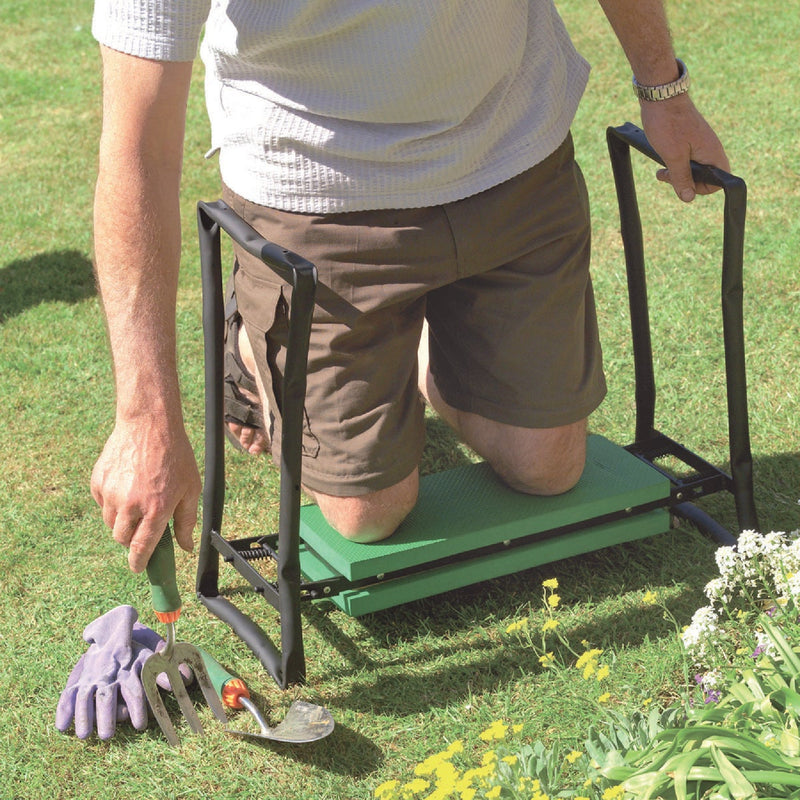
x: 665, y: 90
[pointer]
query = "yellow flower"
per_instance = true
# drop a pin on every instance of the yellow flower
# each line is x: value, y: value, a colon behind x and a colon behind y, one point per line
x: 650, y: 598
x: 547, y: 660
x: 589, y: 655
x: 446, y: 776
x: 646, y: 702
x: 516, y: 728
x: 588, y: 662
x: 494, y: 793
x: 613, y: 792
x: 477, y: 776
x: 386, y: 791
x: 510, y: 760
x: 465, y: 781
x: 444, y: 768
x: 574, y: 756
x: 549, y: 625
x: 497, y: 730
x: 553, y: 600
x: 580, y: 797
x: 550, y: 583
x: 431, y: 764
x: 519, y: 625
x: 604, y: 698
x: 416, y: 786
x: 602, y: 672
x: 489, y: 758
x: 468, y: 794
x: 456, y: 746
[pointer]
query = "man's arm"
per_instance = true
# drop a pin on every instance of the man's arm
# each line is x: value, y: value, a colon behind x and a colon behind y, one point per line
x: 147, y: 472
x: 674, y: 127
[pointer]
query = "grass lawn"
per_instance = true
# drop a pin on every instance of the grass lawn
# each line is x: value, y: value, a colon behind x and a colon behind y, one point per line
x: 400, y: 684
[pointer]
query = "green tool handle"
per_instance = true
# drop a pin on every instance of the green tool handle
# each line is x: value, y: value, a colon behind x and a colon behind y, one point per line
x: 163, y: 582
x: 230, y: 688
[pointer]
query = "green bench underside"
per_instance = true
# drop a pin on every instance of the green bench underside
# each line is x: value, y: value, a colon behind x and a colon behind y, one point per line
x: 386, y: 594
x: 467, y: 508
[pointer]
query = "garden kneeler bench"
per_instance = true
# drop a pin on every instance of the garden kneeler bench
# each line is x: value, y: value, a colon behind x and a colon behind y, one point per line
x: 467, y: 526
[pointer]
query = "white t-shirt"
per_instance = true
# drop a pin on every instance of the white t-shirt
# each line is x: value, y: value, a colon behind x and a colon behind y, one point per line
x: 341, y: 105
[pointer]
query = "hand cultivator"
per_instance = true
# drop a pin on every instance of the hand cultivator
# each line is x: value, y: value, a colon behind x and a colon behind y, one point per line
x: 167, y: 606
x: 303, y: 723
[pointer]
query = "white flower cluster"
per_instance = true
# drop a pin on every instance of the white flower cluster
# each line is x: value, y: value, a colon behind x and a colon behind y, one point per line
x: 765, y: 644
x: 713, y: 679
x: 703, y: 634
x: 717, y: 591
x: 761, y: 568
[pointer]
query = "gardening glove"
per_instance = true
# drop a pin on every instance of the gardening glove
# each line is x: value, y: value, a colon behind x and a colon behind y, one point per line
x: 105, y: 686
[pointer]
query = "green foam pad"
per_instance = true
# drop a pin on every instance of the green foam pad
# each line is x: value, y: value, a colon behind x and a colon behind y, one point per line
x: 392, y: 592
x: 468, y: 507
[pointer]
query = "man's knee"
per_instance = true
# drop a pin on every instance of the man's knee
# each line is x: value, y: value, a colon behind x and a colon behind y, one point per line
x: 547, y: 462
x: 541, y: 476
x: 370, y: 517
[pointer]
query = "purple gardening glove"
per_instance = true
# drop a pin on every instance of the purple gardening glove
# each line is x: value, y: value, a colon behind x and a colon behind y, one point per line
x: 105, y: 685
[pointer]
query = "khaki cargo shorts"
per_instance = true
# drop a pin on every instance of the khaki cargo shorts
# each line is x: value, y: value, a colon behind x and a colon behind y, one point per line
x: 503, y: 280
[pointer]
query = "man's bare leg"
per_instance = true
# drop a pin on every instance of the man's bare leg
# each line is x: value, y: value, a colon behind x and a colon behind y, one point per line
x: 363, y: 518
x: 370, y: 517
x: 253, y: 440
x: 542, y: 461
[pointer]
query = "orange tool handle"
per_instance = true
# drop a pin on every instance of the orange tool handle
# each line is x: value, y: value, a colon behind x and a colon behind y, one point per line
x: 230, y: 688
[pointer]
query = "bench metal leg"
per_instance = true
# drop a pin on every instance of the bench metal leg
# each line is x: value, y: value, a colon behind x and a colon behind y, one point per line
x: 649, y: 443
x: 287, y: 663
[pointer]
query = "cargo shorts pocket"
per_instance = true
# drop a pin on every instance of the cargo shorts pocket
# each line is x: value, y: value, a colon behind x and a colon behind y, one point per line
x: 263, y: 301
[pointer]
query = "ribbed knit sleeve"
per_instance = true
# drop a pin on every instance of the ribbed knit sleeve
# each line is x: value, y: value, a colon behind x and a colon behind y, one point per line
x: 164, y: 30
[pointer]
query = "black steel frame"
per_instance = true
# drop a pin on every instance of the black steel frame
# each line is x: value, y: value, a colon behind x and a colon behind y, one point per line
x: 287, y: 591
x: 287, y: 664
x: 649, y: 443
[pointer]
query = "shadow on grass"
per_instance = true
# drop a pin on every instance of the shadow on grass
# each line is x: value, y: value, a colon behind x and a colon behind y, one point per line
x: 344, y: 752
x: 62, y: 275
x: 362, y: 757
x: 466, y: 652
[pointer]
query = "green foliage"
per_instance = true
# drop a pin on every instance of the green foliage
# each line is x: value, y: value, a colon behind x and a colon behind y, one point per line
x: 742, y: 742
x: 623, y: 731
x: 711, y: 755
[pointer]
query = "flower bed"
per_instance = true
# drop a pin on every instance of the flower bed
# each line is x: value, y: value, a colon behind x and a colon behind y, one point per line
x: 733, y: 735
